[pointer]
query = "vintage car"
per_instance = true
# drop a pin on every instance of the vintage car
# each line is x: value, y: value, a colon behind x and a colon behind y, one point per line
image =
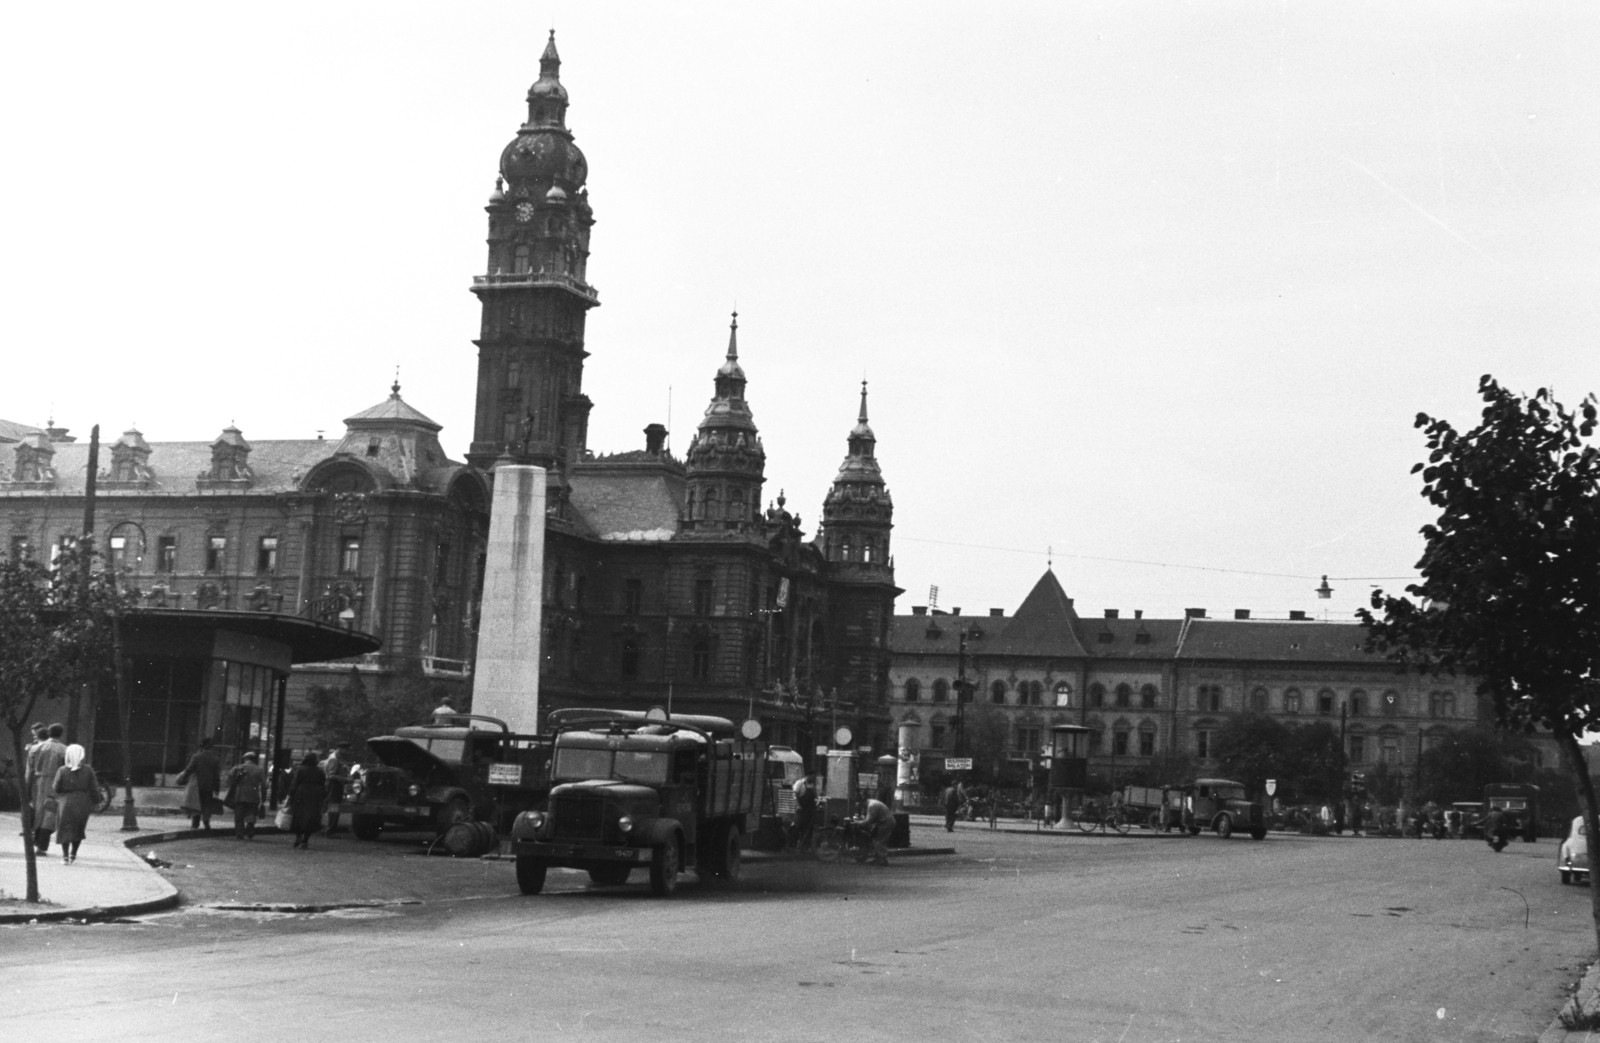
x: 1518, y: 803
x: 1221, y: 805
x: 461, y: 768
x: 1573, y: 859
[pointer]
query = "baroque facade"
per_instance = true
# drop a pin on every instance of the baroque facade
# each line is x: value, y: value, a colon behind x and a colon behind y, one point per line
x: 1154, y: 691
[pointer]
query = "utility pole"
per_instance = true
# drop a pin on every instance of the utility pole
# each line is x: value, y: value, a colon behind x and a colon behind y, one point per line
x: 86, y: 551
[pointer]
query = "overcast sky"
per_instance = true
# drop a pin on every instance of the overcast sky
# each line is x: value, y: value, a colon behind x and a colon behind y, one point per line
x: 1164, y: 283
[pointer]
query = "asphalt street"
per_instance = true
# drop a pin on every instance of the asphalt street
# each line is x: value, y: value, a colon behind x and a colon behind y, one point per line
x: 1123, y: 939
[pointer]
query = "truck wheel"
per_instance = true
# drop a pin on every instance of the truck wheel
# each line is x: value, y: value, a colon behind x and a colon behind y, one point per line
x: 456, y: 809
x: 664, y: 869
x: 1258, y: 834
x: 1194, y: 831
x: 1566, y: 876
x: 1225, y: 826
x: 730, y: 862
x: 610, y: 876
x: 530, y: 874
x: 366, y: 827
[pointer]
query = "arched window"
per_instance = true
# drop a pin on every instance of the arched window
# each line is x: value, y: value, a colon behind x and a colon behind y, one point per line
x: 521, y: 262
x: 1097, y: 696
x: 913, y: 690
x: 1063, y: 694
x: 736, y: 504
x: 1325, y: 701
x: 866, y: 551
x: 1208, y: 698
x: 1124, y: 700
x: 941, y: 691
x: 1258, y: 701
x: 997, y: 693
x: 1148, y: 697
x: 700, y: 660
x: 1389, y: 705
x: 846, y: 550
x: 1119, y: 741
x: 1291, y: 700
x: 1035, y: 693
x: 1358, y: 703
x: 713, y: 504
x: 1147, y: 739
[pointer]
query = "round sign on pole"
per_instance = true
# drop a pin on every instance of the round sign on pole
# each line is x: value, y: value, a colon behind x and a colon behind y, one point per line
x: 750, y: 729
x: 1272, y: 786
x: 656, y: 713
x: 843, y: 736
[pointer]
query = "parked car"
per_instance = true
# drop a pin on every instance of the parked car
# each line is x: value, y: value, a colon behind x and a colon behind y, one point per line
x: 1573, y: 860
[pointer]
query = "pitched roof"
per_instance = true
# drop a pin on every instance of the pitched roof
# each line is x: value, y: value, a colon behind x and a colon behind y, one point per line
x: 1300, y: 641
x: 277, y: 465
x: 938, y: 635
x: 631, y: 504
x: 11, y: 431
x: 391, y: 410
x: 1044, y: 625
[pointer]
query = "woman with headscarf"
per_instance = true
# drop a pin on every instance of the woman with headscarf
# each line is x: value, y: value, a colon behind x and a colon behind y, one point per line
x: 307, y: 788
x: 77, y: 793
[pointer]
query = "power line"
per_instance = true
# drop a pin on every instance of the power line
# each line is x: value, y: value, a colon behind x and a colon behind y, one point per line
x: 1154, y: 564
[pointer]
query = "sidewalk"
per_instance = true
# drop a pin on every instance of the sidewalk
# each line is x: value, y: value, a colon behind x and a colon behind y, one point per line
x: 107, y: 879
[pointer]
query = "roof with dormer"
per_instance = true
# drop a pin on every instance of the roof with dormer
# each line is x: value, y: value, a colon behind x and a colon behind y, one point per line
x: 11, y: 431
x: 392, y: 410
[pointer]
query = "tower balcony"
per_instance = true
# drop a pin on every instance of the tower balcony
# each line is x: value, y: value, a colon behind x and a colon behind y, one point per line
x: 532, y: 280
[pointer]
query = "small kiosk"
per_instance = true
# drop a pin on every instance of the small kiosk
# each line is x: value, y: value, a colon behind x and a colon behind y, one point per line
x: 1069, y: 766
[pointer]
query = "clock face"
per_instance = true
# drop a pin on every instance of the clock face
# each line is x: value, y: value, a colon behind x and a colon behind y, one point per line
x: 524, y: 212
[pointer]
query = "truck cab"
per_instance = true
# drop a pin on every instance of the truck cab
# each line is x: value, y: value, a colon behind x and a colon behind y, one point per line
x: 430, y: 776
x: 1221, y: 805
x: 634, y: 790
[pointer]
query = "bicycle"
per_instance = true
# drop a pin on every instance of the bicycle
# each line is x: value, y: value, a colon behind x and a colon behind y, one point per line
x: 838, y: 839
x: 108, y: 790
x: 1091, y: 815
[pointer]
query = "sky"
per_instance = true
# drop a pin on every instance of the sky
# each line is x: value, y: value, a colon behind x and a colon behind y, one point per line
x: 1147, y: 293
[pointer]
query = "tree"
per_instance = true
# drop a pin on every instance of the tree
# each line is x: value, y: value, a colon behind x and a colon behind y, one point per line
x: 55, y: 633
x: 350, y: 713
x: 1253, y: 748
x: 1510, y: 586
x: 1458, y: 766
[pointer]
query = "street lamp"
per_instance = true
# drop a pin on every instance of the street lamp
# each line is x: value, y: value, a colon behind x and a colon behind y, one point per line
x: 963, y: 686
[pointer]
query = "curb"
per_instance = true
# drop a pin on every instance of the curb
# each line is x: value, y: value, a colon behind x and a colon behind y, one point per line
x: 111, y: 912
x: 1584, y: 994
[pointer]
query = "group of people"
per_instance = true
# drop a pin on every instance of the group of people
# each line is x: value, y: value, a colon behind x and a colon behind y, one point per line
x: 314, y: 788
x: 62, y: 791
x: 876, y: 820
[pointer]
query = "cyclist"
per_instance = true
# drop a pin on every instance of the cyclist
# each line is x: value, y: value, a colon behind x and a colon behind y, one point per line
x: 878, y: 822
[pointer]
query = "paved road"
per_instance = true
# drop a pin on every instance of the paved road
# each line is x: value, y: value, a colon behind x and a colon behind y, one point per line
x: 1115, y: 939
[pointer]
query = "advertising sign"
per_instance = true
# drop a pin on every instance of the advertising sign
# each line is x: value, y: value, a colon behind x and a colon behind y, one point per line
x: 505, y: 774
x: 958, y: 764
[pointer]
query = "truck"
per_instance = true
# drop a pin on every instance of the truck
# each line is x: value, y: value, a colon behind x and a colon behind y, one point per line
x: 457, y: 768
x: 1221, y: 805
x: 1518, y: 801
x: 643, y: 790
x: 1157, y: 808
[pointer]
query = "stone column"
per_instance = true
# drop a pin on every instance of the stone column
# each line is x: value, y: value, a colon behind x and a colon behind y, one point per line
x: 506, y: 679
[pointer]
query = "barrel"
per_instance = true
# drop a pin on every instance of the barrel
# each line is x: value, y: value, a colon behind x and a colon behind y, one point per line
x: 469, y: 839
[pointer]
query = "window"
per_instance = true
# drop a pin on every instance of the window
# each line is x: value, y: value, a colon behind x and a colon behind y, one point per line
x: 997, y: 693
x: 267, y: 555
x: 1119, y: 742
x: 350, y: 554
x: 1358, y: 749
x: 1148, y: 697
x: 1142, y: 637
x: 700, y: 663
x: 510, y: 431
x: 1202, y: 744
x: 964, y: 691
x: 936, y: 740
x: 1358, y: 703
x: 1390, y: 703
x: 1147, y: 744
x: 1258, y: 701
x: 1325, y: 701
x: 1028, y: 740
x: 374, y: 446
x: 1097, y: 696
x: 1063, y: 694
x: 1124, y: 697
x: 941, y: 691
x: 1291, y: 700
x: 913, y: 690
x: 514, y: 373
x: 632, y: 596
x: 520, y: 263
x: 1031, y: 693
x: 216, y: 552
x: 1441, y: 704
x: 21, y: 549
x: 167, y: 554
x: 1096, y: 741
x: 1208, y: 699
x: 119, y: 553
x: 628, y: 663
x: 702, y: 597
x: 1389, y: 750
x: 1105, y: 637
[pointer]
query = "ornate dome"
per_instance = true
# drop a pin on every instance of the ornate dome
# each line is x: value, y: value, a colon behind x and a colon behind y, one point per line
x: 544, y: 155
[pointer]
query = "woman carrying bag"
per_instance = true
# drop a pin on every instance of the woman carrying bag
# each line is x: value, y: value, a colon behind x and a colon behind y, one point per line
x: 77, y: 793
x: 307, y: 788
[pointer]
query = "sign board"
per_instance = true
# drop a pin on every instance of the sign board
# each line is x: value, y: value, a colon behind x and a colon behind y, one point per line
x: 867, y: 780
x: 843, y: 736
x: 958, y: 764
x: 1272, y: 786
x: 505, y: 774
x: 863, y: 749
x: 750, y: 729
x: 822, y: 751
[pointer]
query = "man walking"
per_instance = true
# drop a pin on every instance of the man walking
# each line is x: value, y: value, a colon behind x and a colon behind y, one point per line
x: 249, y: 791
x: 44, y: 760
x: 337, y: 770
x: 955, y: 795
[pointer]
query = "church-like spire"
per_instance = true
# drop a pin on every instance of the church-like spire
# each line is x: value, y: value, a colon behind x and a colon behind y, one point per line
x: 547, y: 99
x: 725, y: 461
x: 858, y: 512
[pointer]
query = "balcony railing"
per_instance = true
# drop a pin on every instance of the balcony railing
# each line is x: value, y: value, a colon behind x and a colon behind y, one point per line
x: 518, y: 279
x: 438, y: 666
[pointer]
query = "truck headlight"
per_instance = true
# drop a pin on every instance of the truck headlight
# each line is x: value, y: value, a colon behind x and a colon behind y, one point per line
x: 415, y: 790
x: 625, y: 823
x: 356, y: 786
x: 535, y: 819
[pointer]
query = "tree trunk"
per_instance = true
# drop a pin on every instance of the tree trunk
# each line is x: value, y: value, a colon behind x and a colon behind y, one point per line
x: 1591, y: 818
x: 29, y: 855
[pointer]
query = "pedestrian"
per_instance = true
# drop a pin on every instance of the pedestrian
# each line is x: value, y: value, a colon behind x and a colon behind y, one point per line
x: 308, y: 788
x: 336, y: 771
x: 805, y: 811
x: 952, y: 804
x: 248, y: 784
x: 878, y: 821
x: 44, y: 760
x: 201, y: 779
x: 1496, y: 830
x: 77, y: 793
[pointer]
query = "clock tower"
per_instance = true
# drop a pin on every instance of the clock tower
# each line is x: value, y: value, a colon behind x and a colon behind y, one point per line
x: 531, y: 407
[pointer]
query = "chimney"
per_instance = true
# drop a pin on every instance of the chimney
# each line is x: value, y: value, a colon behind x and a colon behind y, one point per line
x: 1241, y: 613
x: 955, y: 611
x: 919, y: 610
x: 1138, y: 613
x: 997, y: 612
x: 1297, y: 616
x: 1111, y: 613
x: 655, y: 437
x: 1194, y: 613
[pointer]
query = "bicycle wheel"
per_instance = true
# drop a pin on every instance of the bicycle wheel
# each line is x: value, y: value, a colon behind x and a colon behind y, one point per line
x: 1119, y: 821
x: 830, y: 844
x: 108, y: 795
x: 1084, y: 817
